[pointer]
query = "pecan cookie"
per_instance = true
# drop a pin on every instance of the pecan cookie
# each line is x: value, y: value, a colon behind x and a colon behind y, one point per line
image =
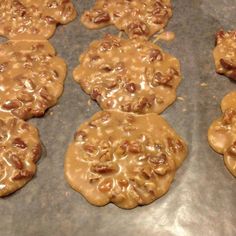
x: 20, y: 149
x: 137, y: 18
x: 31, y: 77
x: 123, y: 158
x: 132, y: 75
x: 225, y: 53
x: 30, y: 17
x: 222, y: 132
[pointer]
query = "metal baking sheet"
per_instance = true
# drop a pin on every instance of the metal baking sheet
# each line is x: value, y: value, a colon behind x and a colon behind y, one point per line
x: 202, y: 199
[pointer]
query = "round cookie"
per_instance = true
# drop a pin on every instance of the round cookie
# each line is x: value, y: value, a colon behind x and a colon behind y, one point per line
x: 137, y: 18
x: 230, y: 159
x: 123, y: 158
x: 20, y: 149
x: 131, y: 75
x: 31, y: 77
x: 30, y: 17
x: 225, y: 53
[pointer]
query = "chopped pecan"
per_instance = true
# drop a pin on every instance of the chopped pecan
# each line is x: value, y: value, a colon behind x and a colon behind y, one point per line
x: 103, y: 168
x: 131, y: 87
x: 45, y: 94
x: 162, y: 80
x: 106, y: 185
x: 18, y: 142
x: 227, y: 65
x: 11, y: 104
x: 23, y: 174
x: 101, y: 17
x: 25, y: 97
x: 50, y: 20
x: 95, y: 93
x: 147, y: 172
x: 175, y: 145
x: 140, y: 105
x: 37, y: 150
x: 134, y: 147
x: 138, y: 28
x: 155, y: 55
x: 16, y: 162
x: 228, y: 116
x: 160, y: 159
x: 3, y: 66
x: 90, y: 148
x: 80, y: 136
x: 123, y: 183
x: 107, y: 156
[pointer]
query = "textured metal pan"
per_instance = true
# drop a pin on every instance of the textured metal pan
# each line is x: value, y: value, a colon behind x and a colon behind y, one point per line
x: 201, y: 201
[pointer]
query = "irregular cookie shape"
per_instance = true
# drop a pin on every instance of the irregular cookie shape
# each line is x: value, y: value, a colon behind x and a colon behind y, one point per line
x: 20, y: 149
x: 137, y: 18
x: 225, y: 53
x: 129, y: 75
x: 31, y: 77
x: 123, y: 158
x: 222, y: 132
x: 30, y: 17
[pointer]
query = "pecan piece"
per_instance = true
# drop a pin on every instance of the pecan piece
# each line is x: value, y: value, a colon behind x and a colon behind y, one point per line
x: 158, y: 159
x: 134, y: 147
x: 138, y: 28
x: 3, y: 67
x: 227, y: 65
x: 11, y: 104
x: 80, y: 136
x: 228, y: 116
x: 175, y: 145
x: 131, y: 87
x: 106, y: 185
x: 162, y: 80
x: 95, y: 93
x: 50, y: 20
x: 103, y: 168
x: 232, y: 75
x: 16, y: 162
x: 155, y: 55
x: 23, y: 174
x: 18, y: 142
x: 101, y: 17
x: 37, y: 150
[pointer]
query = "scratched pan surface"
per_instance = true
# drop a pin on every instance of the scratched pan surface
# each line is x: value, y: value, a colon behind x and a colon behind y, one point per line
x: 201, y: 201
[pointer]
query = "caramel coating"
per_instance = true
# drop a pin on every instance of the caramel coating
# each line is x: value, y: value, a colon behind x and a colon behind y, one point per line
x: 137, y: 18
x: 31, y: 77
x: 222, y: 132
x: 131, y: 75
x: 20, y: 149
x: 230, y: 159
x: 34, y: 17
x: 225, y: 53
x: 123, y: 158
